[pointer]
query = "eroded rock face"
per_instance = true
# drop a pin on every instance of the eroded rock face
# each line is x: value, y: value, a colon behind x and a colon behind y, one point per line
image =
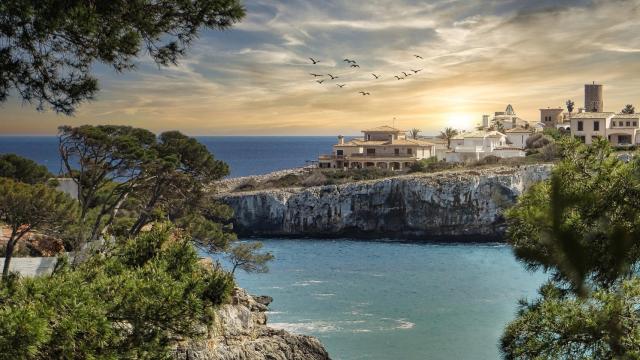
x: 240, y: 333
x: 464, y: 204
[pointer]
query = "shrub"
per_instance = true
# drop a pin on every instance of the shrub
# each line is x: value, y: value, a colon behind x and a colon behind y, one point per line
x: 316, y: 178
x: 537, y: 141
x: 285, y: 181
x: 130, y: 302
x: 23, y: 169
x: 248, y: 185
x: 488, y: 160
x: 549, y: 152
x: 370, y: 173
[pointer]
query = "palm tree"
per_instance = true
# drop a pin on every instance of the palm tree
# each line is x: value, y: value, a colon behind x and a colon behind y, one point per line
x: 414, y: 133
x: 570, y: 104
x: 629, y: 109
x: 448, y: 134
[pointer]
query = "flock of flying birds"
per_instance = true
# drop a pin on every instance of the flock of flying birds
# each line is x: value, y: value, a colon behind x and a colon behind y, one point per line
x: 354, y: 64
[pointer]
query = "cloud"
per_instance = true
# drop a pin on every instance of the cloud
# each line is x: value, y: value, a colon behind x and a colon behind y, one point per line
x: 478, y: 56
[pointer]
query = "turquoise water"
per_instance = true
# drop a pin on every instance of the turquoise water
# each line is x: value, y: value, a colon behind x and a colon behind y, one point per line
x: 390, y: 300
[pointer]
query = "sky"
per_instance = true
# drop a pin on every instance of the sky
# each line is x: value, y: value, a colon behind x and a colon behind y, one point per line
x: 477, y: 57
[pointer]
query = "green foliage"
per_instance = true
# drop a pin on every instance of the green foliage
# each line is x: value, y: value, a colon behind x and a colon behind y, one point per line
x: 430, y: 165
x: 287, y: 180
x: 448, y: 134
x: 606, y: 325
x: 570, y: 105
x: 537, y: 140
x: 175, y: 179
x: 23, y: 169
x: 628, y: 109
x: 25, y: 208
x: 128, y: 179
x: 414, y: 133
x: 48, y: 48
x: 581, y: 226
x: 549, y: 152
x: 110, y: 161
x: 554, y: 133
x: 131, y: 302
x: 247, y: 256
x: 589, y: 208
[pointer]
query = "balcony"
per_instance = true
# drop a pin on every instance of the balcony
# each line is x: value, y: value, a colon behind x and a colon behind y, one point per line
x: 469, y: 149
x: 368, y: 157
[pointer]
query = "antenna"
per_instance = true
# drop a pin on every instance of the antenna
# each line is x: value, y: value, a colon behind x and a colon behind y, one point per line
x: 394, y: 122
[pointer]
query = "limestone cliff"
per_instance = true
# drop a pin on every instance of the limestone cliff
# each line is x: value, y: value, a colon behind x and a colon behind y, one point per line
x: 241, y: 333
x: 466, y: 204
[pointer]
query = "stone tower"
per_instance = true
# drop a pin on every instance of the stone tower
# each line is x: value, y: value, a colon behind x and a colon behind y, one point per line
x: 593, y: 100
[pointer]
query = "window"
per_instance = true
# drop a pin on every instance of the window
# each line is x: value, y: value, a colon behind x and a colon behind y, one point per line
x: 613, y: 124
x: 371, y: 151
x: 396, y: 152
x: 621, y: 123
x: 635, y: 123
x: 596, y: 126
x: 628, y: 123
x: 581, y: 138
x: 409, y: 151
x: 580, y: 126
x: 339, y: 152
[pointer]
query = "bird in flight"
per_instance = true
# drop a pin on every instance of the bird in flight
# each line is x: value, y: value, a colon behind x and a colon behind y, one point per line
x: 316, y: 75
x: 332, y: 77
x: 349, y: 61
x: 418, y: 56
x: 355, y: 65
x: 314, y: 61
x: 398, y: 77
x: 375, y: 76
x: 340, y: 85
x: 405, y: 74
x: 320, y: 81
x: 416, y: 71
x: 364, y: 93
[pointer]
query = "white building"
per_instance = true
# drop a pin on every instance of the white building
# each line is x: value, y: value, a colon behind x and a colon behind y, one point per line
x: 507, y: 118
x: 476, y: 145
x: 517, y: 137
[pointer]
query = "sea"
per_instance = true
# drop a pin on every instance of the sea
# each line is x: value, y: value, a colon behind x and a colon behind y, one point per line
x: 379, y: 300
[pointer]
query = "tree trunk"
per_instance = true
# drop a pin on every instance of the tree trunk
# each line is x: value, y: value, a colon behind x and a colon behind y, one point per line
x: 9, y: 254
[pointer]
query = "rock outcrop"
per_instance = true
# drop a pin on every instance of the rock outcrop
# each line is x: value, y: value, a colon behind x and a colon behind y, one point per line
x: 241, y: 333
x: 464, y: 204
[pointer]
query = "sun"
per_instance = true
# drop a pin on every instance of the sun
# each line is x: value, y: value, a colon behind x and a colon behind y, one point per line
x: 461, y: 121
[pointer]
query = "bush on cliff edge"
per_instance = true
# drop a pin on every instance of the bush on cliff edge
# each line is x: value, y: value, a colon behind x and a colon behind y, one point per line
x: 129, y: 302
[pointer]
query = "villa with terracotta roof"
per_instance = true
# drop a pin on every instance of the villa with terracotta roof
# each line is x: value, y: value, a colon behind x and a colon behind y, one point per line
x: 383, y: 147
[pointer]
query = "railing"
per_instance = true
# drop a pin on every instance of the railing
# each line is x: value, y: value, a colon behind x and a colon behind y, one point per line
x: 359, y: 155
x: 469, y: 149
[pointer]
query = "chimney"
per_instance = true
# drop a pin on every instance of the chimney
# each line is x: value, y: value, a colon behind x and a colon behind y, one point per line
x: 485, y: 121
x: 340, y: 140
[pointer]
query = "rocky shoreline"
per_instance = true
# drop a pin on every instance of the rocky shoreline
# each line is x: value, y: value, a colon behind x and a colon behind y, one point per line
x: 459, y: 205
x: 240, y: 332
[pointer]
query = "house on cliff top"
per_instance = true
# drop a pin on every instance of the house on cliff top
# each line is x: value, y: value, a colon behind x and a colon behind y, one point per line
x: 383, y: 147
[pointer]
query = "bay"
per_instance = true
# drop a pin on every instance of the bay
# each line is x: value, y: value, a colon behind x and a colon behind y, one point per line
x: 393, y: 300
